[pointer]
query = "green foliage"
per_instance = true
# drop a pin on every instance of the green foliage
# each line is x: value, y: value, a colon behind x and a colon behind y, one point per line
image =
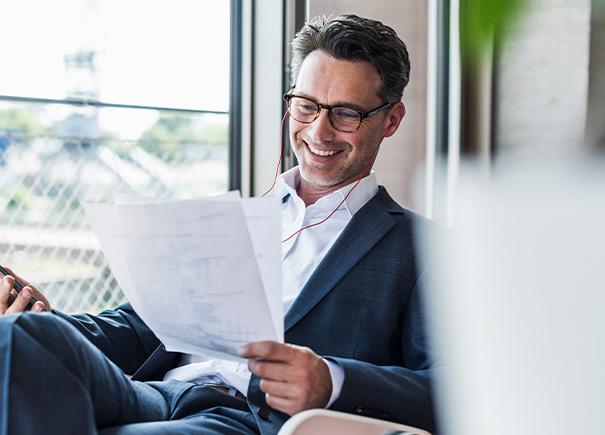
x: 170, y: 133
x: 75, y: 204
x: 481, y: 20
x: 20, y: 119
x: 21, y: 199
x: 166, y: 135
x: 216, y: 134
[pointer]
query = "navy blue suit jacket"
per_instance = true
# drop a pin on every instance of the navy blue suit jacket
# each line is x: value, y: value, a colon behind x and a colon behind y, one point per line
x: 360, y: 308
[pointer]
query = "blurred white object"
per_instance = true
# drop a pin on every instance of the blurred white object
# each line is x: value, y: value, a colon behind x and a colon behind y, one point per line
x: 518, y: 304
x: 321, y: 421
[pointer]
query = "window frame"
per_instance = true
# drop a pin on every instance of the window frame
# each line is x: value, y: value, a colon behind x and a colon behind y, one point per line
x: 235, y: 104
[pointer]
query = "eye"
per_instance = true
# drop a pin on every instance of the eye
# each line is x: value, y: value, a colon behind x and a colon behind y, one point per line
x: 345, y: 113
x: 305, y: 106
x: 309, y: 107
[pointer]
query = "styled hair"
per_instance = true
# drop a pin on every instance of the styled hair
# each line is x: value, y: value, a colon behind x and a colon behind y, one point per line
x: 349, y: 37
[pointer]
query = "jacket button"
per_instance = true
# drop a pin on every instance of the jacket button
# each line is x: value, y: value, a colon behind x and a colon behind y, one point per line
x: 359, y: 410
x: 264, y: 414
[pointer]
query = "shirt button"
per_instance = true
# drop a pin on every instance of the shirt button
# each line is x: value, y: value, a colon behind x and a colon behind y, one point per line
x: 264, y: 414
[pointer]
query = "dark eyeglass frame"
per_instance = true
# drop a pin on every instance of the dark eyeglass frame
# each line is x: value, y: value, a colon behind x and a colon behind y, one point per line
x: 362, y: 115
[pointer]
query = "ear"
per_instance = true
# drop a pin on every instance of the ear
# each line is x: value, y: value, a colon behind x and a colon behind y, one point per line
x: 394, y: 118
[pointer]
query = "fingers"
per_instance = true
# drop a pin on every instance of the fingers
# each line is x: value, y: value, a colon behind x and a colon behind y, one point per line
x: 269, y: 350
x: 278, y: 389
x: 300, y: 380
x: 287, y: 406
x: 6, y: 287
x: 275, y: 361
x: 17, y: 277
x: 275, y: 371
x: 293, y: 378
x: 12, y: 302
x: 37, y: 294
x: 21, y: 301
x: 39, y: 307
x: 282, y: 396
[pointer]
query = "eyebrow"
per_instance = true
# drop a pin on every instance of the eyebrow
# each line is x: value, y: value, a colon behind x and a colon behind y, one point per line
x: 337, y: 104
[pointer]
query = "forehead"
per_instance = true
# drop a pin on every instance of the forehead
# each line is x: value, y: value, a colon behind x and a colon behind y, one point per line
x: 335, y: 81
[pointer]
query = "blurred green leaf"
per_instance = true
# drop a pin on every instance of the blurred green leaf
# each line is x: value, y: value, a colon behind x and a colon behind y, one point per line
x: 20, y: 120
x: 166, y: 136
x: 483, y: 20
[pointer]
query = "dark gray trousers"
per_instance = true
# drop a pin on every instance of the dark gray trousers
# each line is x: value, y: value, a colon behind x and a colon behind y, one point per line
x: 54, y: 381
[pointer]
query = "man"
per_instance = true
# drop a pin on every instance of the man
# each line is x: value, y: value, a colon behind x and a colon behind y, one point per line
x: 354, y: 331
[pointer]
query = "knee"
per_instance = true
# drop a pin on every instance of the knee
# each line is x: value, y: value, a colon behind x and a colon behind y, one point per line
x: 47, y: 334
x: 28, y: 331
x: 7, y: 323
x: 44, y: 327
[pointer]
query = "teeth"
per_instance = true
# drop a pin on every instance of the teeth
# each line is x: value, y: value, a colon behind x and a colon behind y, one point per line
x: 322, y: 153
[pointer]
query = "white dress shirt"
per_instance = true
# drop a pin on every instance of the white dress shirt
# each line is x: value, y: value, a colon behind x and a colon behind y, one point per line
x: 300, y: 257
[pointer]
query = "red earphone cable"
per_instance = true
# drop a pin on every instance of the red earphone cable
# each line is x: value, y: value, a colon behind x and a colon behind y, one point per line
x: 281, y: 148
x: 324, y: 219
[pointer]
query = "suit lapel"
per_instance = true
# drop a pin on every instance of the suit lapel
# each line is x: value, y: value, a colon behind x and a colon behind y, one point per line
x: 368, y: 227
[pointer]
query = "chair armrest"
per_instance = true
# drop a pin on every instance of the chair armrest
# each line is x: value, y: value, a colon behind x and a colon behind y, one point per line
x: 322, y: 421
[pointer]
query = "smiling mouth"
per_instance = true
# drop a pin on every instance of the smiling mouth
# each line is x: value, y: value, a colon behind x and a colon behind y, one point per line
x: 322, y: 153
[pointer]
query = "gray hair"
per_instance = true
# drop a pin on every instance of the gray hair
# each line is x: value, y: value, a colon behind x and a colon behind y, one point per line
x: 349, y: 37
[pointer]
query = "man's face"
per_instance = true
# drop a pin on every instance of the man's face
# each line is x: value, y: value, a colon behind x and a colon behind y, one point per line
x: 329, y: 159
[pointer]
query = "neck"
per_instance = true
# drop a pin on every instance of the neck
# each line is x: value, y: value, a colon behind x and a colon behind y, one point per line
x: 310, y: 193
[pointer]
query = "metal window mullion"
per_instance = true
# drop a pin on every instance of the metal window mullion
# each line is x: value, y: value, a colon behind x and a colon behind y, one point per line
x: 235, y: 93
x: 294, y: 17
x: 100, y: 104
x: 454, y: 106
x: 438, y: 101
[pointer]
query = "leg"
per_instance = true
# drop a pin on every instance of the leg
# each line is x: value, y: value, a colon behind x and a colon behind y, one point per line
x: 58, y: 382
x: 200, y: 411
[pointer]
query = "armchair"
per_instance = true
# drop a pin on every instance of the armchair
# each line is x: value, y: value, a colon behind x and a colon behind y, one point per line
x: 321, y: 421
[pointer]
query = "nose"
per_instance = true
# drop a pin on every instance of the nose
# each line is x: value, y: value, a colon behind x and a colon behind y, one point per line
x: 321, y: 129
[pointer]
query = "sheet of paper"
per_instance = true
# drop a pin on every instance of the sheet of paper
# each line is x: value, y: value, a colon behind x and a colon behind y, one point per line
x: 190, y: 272
x: 264, y: 224
x: 263, y: 218
x: 130, y: 199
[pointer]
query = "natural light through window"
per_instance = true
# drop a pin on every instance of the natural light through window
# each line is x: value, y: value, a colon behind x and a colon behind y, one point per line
x: 102, y: 98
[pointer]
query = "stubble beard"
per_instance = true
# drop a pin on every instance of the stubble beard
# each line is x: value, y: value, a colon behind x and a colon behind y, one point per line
x: 351, y: 172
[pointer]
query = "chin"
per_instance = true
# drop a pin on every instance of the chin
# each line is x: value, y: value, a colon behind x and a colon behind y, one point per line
x: 320, y: 181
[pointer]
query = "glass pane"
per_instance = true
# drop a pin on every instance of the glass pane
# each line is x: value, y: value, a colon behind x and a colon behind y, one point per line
x: 154, y: 53
x: 54, y: 157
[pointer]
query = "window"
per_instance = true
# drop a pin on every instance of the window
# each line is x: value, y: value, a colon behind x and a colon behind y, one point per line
x: 100, y: 99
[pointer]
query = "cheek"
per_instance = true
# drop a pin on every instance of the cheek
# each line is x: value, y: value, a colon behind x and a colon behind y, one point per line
x: 371, y: 142
x: 297, y: 142
x: 295, y: 137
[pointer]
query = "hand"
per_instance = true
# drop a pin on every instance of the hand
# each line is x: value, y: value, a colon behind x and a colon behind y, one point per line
x: 13, y: 302
x: 293, y: 378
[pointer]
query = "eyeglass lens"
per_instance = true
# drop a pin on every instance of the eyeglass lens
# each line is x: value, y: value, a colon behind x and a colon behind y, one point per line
x: 341, y: 118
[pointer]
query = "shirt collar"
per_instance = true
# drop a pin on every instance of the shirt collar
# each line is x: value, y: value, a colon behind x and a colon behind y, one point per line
x: 368, y: 187
x: 286, y: 184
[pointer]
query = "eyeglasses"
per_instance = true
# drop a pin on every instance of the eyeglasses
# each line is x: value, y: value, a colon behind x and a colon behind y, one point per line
x: 342, y: 118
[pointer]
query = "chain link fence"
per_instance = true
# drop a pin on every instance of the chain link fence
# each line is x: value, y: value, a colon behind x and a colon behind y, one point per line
x: 44, y: 233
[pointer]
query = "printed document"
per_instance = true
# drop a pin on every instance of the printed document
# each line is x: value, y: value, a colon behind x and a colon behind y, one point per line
x: 203, y: 274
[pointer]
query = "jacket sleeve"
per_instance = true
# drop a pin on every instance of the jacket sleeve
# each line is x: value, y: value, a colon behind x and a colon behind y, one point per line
x: 119, y: 333
x: 388, y: 393
x: 402, y: 393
